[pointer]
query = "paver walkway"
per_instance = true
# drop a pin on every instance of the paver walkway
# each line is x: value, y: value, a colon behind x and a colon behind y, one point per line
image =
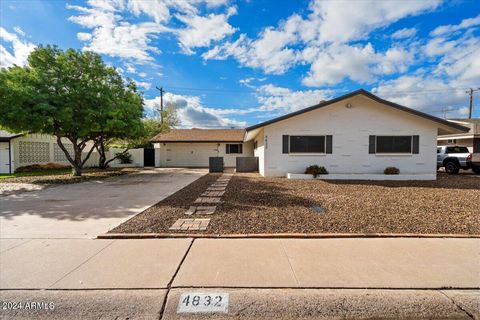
x: 212, y: 195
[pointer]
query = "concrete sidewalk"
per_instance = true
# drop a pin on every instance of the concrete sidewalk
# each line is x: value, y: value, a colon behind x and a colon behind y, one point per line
x: 295, y: 278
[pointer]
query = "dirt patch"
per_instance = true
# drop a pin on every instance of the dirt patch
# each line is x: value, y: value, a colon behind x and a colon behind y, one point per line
x: 65, y: 176
x: 254, y: 204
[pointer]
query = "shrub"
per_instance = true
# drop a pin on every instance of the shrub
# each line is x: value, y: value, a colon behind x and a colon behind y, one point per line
x: 391, y: 170
x: 124, y: 157
x: 316, y: 170
x: 42, y: 167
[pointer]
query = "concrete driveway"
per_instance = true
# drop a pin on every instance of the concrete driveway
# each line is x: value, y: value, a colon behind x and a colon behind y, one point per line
x: 84, y: 210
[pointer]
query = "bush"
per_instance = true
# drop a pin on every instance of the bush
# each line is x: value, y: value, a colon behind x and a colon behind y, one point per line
x: 391, y: 170
x: 42, y: 167
x: 316, y: 170
x: 124, y: 157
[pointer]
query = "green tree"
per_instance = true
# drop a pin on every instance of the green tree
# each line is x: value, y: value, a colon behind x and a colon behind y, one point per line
x: 69, y: 94
x: 154, y: 126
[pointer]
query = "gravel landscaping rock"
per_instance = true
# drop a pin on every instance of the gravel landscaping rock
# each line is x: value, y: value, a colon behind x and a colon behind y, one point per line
x: 254, y: 204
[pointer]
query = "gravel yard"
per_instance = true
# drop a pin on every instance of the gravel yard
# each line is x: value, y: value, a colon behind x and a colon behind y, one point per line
x: 16, y: 185
x: 253, y: 204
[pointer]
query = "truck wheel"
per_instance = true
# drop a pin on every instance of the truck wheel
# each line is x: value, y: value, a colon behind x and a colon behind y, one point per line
x: 476, y: 169
x: 452, y: 167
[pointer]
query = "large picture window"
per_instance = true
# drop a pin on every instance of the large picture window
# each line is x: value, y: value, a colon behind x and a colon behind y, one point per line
x: 307, y: 144
x: 394, y: 144
x: 234, y: 148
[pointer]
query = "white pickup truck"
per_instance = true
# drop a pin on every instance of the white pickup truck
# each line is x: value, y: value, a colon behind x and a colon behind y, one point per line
x: 474, y: 162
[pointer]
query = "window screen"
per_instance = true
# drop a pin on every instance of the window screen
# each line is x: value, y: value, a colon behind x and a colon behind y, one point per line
x: 307, y: 144
x: 394, y: 144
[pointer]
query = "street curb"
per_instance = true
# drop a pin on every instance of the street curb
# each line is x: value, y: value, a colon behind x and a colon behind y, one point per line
x: 280, y: 235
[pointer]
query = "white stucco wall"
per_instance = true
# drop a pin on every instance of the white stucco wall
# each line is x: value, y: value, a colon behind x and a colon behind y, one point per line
x: 36, y: 149
x: 260, y: 152
x: 350, y: 128
x: 184, y: 154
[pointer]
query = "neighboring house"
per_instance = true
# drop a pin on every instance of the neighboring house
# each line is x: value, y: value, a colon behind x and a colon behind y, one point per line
x: 470, y: 139
x: 18, y: 150
x: 193, y: 147
x: 352, y: 135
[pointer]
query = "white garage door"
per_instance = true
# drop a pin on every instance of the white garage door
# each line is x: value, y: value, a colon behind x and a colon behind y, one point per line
x: 4, y: 158
x: 190, y: 155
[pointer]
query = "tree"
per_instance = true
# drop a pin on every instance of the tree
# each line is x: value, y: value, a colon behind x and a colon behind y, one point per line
x: 153, y: 126
x: 69, y: 94
x: 120, y: 122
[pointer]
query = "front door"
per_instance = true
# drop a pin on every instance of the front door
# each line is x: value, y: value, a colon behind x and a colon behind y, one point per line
x: 148, y: 157
x: 4, y: 157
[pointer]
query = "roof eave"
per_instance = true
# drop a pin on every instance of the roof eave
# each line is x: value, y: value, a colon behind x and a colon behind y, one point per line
x: 368, y: 95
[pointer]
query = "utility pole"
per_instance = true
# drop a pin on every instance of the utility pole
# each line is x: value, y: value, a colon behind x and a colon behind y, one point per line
x: 161, y: 103
x: 470, y: 93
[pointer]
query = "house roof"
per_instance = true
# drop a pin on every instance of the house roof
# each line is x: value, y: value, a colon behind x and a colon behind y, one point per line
x: 7, y: 136
x: 368, y: 95
x: 201, y: 135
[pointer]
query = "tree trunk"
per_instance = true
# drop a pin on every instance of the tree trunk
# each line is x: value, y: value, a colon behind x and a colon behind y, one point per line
x: 102, y: 159
x: 77, y: 170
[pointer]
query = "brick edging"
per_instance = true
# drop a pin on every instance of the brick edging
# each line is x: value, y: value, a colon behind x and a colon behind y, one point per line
x: 281, y: 235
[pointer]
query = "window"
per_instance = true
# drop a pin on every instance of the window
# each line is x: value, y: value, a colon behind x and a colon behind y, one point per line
x: 234, y: 148
x: 394, y: 144
x: 307, y: 144
x: 452, y: 141
x: 457, y: 150
x: 255, y: 144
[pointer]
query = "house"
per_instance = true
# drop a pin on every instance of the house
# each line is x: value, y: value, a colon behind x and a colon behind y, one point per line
x: 355, y: 136
x: 193, y: 147
x: 19, y: 150
x: 470, y: 139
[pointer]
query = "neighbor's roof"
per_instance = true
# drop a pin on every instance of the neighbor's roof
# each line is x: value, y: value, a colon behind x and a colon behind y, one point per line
x: 201, y: 135
x: 368, y: 95
x: 6, y: 136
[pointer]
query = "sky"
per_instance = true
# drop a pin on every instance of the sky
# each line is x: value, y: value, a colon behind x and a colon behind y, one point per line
x: 225, y: 63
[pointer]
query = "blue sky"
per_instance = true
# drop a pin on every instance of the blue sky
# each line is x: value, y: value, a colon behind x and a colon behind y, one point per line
x: 235, y: 63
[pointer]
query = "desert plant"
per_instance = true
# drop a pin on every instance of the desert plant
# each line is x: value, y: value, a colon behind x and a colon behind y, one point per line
x: 316, y: 170
x: 124, y: 157
x: 391, y: 170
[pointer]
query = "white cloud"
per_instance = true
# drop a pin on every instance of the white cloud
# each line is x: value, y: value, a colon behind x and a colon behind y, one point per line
x: 466, y: 23
x: 425, y: 93
x: 192, y: 113
x: 115, y: 35
x: 143, y: 84
x: 19, y: 53
x: 334, y: 63
x: 83, y: 36
x: 338, y: 21
x: 202, y: 31
x: 404, y: 33
x: 283, y: 100
x: 329, y: 23
x: 19, y: 31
